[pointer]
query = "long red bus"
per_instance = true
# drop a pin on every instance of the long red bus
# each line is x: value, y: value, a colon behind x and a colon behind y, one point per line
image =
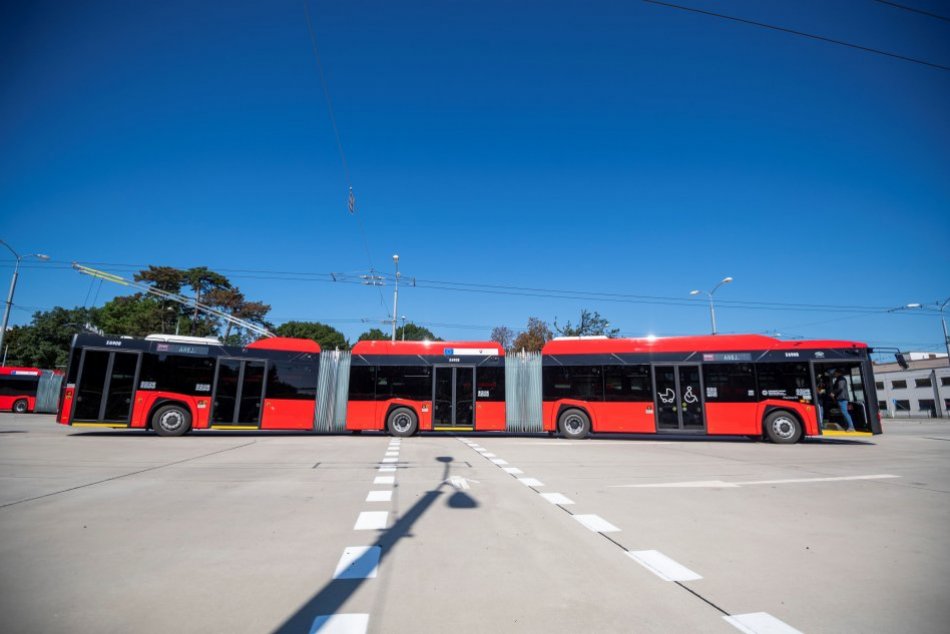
x: 18, y: 388
x: 747, y: 385
x: 174, y: 384
x: 404, y: 387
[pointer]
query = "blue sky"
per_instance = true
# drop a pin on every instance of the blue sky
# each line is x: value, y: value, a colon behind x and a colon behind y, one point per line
x: 598, y: 147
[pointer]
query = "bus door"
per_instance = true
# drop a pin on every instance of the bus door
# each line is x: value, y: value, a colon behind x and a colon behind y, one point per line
x: 679, y: 398
x: 105, y: 385
x: 453, y: 398
x: 824, y: 374
x: 238, y: 393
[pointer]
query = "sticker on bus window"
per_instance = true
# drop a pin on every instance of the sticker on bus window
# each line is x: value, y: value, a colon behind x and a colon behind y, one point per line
x: 712, y: 392
x: 483, y: 394
x: 147, y: 385
x: 804, y: 392
x: 202, y: 387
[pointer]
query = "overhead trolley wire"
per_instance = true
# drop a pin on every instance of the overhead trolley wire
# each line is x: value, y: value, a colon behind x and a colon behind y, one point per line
x: 773, y: 27
x: 913, y: 10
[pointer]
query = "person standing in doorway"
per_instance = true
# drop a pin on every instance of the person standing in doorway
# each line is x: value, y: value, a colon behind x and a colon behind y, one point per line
x: 841, y: 397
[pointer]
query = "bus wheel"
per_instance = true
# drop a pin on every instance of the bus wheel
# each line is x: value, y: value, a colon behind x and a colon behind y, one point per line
x: 574, y: 423
x: 783, y: 428
x: 171, y: 420
x: 402, y: 421
x: 20, y: 406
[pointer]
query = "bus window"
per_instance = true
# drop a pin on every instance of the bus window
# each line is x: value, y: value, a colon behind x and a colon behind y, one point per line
x: 784, y: 381
x: 729, y: 382
x: 628, y: 384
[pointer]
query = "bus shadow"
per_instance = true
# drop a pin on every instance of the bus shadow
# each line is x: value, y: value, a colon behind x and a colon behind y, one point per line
x: 329, y: 599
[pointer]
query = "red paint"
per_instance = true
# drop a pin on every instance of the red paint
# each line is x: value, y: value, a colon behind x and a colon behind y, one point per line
x: 286, y: 344
x: 734, y: 418
x: 7, y: 402
x: 287, y: 414
x: 628, y: 418
x: 66, y: 406
x: 707, y: 343
x: 489, y: 416
x: 361, y: 415
x: 424, y: 348
x: 145, y: 400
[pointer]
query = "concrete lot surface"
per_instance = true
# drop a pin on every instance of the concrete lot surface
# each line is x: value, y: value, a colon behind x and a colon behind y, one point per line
x: 116, y: 531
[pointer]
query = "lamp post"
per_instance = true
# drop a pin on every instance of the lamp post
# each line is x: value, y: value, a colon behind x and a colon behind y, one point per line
x: 16, y: 273
x: 940, y: 308
x: 395, y: 296
x: 403, y: 327
x: 712, y: 309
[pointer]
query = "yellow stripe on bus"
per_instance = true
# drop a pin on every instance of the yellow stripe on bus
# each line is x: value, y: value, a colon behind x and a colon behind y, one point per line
x: 113, y: 425
x: 238, y: 427
x: 453, y: 429
x: 846, y: 434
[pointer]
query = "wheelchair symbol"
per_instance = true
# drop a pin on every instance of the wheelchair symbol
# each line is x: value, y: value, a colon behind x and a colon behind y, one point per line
x: 689, y: 397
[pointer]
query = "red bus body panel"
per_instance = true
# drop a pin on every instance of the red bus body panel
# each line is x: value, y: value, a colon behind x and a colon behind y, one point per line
x: 66, y: 405
x: 145, y: 400
x: 703, y: 343
x: 489, y: 416
x: 281, y: 413
x: 6, y: 402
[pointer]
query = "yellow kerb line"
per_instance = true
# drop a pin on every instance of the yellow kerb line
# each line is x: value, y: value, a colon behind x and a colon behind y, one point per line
x: 238, y: 427
x: 113, y: 425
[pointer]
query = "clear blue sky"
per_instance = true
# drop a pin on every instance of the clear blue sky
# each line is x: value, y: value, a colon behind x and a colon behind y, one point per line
x: 598, y: 147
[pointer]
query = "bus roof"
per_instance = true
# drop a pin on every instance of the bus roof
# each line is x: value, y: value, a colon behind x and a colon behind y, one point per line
x: 701, y: 343
x: 446, y: 348
x: 286, y: 344
x: 21, y: 371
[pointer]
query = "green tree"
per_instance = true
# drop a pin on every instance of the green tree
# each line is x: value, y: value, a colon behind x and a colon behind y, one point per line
x: 374, y: 334
x: 590, y: 324
x: 46, y: 340
x: 414, y: 332
x: 533, y: 337
x: 503, y: 335
x: 202, y: 280
x: 232, y: 302
x: 327, y: 336
x: 134, y: 315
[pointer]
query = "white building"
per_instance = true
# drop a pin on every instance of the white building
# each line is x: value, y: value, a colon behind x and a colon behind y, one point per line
x: 921, y: 390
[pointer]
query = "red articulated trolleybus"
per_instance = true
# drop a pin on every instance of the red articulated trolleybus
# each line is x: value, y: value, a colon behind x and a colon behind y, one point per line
x: 173, y: 384
x: 717, y: 385
x: 407, y: 386
x: 18, y: 389
x: 745, y: 385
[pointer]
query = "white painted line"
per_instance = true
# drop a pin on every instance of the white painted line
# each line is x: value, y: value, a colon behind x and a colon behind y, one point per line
x: 531, y: 482
x: 719, y: 484
x: 358, y: 562
x: 385, y: 469
x: 460, y: 483
x: 371, y: 520
x: 557, y: 498
x: 379, y: 496
x: 488, y: 455
x: 760, y: 623
x: 512, y: 470
x: 662, y: 566
x: 482, y: 451
x: 392, y: 454
x: 384, y: 480
x: 340, y: 624
x: 499, y: 461
x: 596, y: 523
x: 389, y: 460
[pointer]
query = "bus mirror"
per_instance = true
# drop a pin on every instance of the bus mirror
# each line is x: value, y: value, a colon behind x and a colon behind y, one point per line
x: 901, y: 361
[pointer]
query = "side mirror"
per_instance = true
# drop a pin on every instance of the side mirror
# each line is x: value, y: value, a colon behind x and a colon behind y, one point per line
x: 901, y: 361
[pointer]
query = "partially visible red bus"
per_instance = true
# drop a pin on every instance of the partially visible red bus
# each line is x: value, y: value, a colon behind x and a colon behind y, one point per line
x: 407, y: 386
x: 174, y: 384
x: 18, y: 389
x: 720, y: 384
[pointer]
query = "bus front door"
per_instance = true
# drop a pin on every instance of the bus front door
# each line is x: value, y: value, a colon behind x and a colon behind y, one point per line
x: 238, y: 393
x: 679, y: 398
x: 453, y: 398
x: 105, y: 386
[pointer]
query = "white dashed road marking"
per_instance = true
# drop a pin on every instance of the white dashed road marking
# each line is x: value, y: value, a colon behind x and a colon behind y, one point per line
x: 371, y: 520
x: 531, y: 482
x: 719, y: 484
x: 760, y: 623
x: 384, y: 480
x: 386, y: 469
x: 340, y: 624
x: 379, y: 496
x: 499, y: 461
x: 596, y: 523
x: 512, y: 470
x: 358, y: 562
x: 662, y: 566
x: 557, y: 498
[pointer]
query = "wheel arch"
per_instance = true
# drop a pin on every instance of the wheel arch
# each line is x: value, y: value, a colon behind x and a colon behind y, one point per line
x: 772, y: 409
x: 397, y: 405
x: 582, y: 407
x: 161, y: 402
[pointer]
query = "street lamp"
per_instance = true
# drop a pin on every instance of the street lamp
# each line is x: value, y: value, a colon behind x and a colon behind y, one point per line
x: 940, y: 308
x: 712, y: 309
x: 403, y: 327
x: 16, y: 273
x: 395, y: 296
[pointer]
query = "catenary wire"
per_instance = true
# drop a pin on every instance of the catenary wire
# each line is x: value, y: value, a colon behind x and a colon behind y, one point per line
x: 773, y: 27
x: 913, y: 10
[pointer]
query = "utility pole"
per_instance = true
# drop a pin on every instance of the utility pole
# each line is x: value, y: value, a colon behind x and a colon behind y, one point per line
x: 395, y: 296
x: 9, y: 303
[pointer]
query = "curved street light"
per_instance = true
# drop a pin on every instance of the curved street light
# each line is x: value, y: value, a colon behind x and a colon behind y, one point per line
x: 939, y: 307
x: 712, y: 309
x: 16, y: 272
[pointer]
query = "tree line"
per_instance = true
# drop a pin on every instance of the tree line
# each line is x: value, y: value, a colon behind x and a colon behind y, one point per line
x: 45, y: 341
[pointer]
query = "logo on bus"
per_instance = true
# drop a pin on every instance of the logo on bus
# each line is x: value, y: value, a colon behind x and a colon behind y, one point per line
x: 114, y: 343
x: 791, y: 355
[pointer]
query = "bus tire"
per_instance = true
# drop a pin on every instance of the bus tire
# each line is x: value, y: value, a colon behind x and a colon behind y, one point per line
x: 573, y: 423
x: 171, y: 420
x: 402, y: 421
x: 21, y: 406
x: 783, y: 427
